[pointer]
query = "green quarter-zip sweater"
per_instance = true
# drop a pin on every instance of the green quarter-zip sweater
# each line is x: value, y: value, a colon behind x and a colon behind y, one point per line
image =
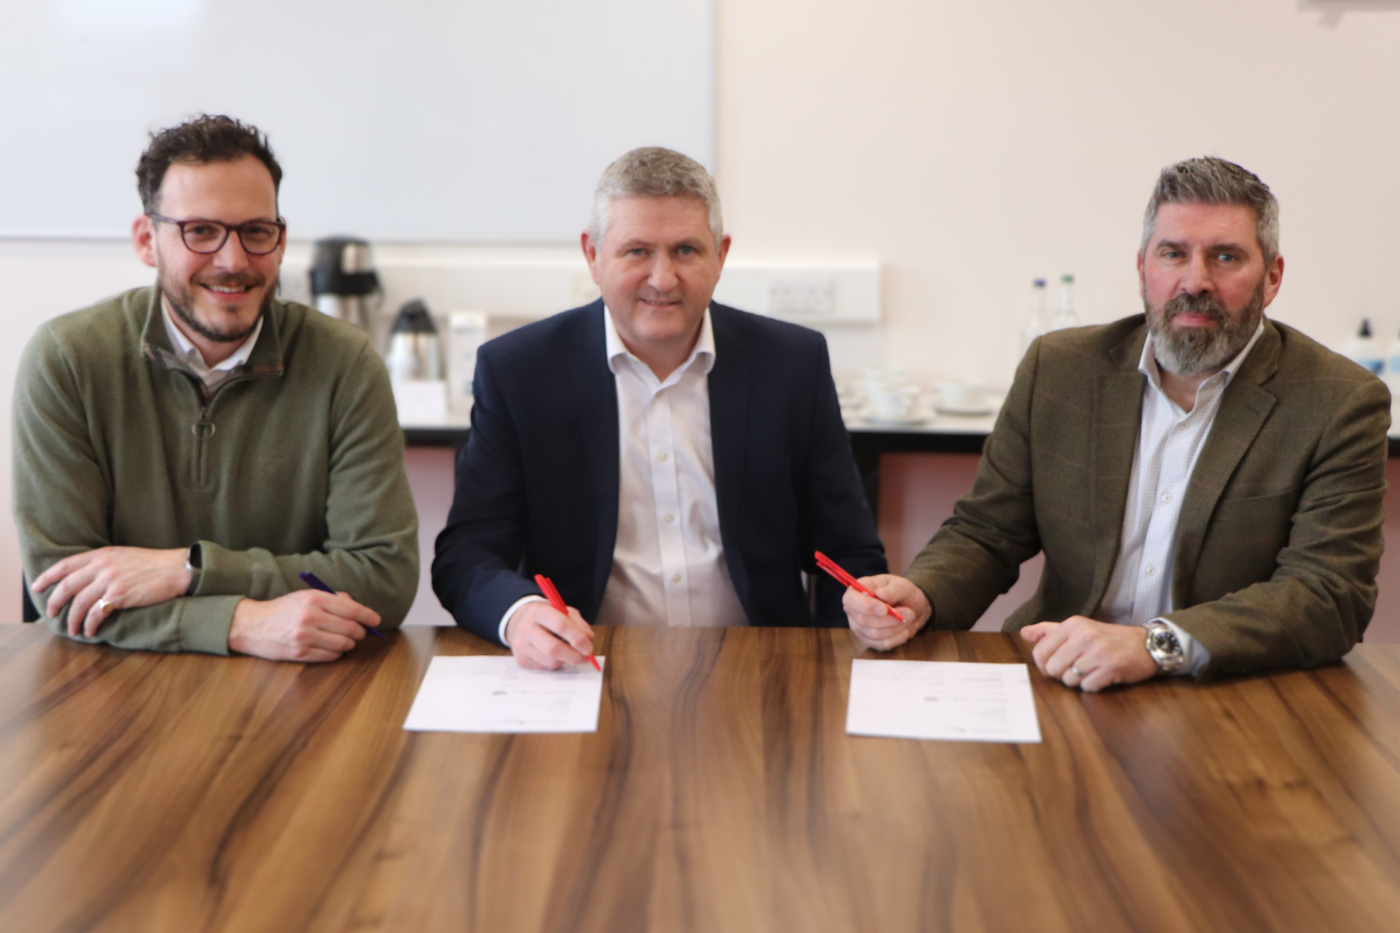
x: 293, y: 463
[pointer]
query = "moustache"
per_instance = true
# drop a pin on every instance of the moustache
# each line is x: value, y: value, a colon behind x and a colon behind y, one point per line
x: 233, y: 280
x: 1196, y: 304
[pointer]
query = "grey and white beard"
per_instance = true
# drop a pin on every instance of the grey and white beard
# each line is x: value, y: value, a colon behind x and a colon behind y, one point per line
x: 1192, y: 350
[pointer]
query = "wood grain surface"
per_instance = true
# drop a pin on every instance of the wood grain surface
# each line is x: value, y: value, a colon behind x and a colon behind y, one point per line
x: 187, y: 793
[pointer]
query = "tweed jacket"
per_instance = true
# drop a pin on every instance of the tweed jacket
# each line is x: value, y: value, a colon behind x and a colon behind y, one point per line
x: 1279, y: 538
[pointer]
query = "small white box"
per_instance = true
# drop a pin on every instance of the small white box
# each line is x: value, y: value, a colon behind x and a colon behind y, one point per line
x: 466, y: 332
x: 421, y: 403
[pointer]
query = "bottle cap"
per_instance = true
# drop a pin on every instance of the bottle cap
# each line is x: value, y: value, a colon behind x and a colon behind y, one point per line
x: 1066, y: 278
x: 1038, y: 283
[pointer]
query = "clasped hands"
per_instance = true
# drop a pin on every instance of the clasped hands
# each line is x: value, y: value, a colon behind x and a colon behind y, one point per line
x: 307, y: 625
x: 1079, y: 652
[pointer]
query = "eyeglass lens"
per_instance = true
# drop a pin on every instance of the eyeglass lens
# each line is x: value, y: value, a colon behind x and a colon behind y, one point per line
x: 207, y: 236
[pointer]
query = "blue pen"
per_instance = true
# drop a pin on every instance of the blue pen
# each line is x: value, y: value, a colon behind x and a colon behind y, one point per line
x: 313, y: 581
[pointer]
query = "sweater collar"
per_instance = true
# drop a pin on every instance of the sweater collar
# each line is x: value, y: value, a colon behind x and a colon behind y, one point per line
x: 265, y: 360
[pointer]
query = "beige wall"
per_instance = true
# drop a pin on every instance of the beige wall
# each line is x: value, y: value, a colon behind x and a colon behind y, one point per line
x: 975, y: 145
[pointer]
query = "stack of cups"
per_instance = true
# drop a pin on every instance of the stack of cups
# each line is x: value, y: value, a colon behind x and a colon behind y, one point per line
x: 890, y: 396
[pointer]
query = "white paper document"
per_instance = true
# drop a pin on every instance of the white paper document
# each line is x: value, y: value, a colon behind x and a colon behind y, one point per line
x: 942, y: 700
x: 495, y: 694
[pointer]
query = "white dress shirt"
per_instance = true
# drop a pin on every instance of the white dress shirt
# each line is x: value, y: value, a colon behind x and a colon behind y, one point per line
x: 668, y: 562
x: 211, y: 376
x: 1169, y: 444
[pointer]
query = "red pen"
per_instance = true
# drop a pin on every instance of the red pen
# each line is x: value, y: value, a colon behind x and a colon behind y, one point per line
x: 557, y: 601
x: 833, y: 568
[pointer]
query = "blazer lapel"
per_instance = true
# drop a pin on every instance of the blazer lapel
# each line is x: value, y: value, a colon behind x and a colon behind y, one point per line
x: 1117, y: 419
x: 729, y: 411
x: 595, y: 397
x: 1242, y: 413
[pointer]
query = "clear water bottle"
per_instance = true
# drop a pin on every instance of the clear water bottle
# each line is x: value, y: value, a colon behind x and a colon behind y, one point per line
x: 1064, y: 315
x: 1037, y: 324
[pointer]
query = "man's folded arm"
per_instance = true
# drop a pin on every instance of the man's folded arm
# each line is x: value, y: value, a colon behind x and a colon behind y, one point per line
x: 477, y: 553
x: 977, y: 554
x: 1316, y: 605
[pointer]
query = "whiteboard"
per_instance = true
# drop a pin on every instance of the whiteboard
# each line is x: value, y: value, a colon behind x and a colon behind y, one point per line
x: 421, y: 120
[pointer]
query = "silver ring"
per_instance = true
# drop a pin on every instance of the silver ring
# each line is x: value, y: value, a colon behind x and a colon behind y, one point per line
x: 1075, y: 671
x: 104, y: 604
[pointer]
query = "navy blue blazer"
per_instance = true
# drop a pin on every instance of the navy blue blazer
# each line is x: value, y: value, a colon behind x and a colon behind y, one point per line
x: 537, y: 483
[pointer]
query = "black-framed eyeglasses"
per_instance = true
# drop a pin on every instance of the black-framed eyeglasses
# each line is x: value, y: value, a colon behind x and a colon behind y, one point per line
x: 259, y: 237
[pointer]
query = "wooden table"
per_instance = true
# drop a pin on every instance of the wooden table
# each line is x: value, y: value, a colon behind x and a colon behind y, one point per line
x: 190, y: 793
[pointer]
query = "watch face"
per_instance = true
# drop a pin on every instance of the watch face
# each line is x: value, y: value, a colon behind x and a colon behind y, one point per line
x: 1164, y: 640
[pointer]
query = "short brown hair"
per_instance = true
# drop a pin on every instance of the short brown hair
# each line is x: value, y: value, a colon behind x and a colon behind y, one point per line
x: 204, y: 139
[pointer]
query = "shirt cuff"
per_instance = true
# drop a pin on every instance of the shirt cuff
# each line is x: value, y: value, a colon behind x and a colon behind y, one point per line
x: 501, y: 629
x: 1194, y: 654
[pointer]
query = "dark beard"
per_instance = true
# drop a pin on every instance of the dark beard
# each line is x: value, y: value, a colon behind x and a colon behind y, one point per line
x: 1199, y: 349
x: 181, y: 304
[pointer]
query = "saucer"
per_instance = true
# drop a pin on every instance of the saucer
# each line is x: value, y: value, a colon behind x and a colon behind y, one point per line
x: 966, y: 412
x: 917, y: 416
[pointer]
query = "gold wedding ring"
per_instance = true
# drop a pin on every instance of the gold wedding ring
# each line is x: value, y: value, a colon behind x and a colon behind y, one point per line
x: 104, y: 604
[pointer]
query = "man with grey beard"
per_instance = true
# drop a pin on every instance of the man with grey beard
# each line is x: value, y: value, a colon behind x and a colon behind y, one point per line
x: 1206, y: 484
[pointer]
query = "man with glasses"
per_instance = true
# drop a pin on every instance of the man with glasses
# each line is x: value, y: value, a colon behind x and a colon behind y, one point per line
x: 184, y: 453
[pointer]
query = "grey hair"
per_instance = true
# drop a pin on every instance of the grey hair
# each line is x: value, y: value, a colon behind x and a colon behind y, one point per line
x: 653, y: 172
x: 1209, y: 180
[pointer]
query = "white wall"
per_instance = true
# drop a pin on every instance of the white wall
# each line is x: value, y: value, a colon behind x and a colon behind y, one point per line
x: 973, y: 146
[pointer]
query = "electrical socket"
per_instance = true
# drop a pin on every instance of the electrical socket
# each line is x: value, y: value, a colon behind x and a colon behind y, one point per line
x: 800, y: 295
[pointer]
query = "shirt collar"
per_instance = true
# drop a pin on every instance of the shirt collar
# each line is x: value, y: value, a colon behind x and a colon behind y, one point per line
x: 704, y: 350
x: 1147, y: 363
x: 184, y: 348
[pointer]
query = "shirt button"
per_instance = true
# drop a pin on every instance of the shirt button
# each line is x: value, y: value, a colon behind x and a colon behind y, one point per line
x: 661, y: 456
x: 1166, y: 497
x: 1151, y: 571
x: 675, y: 578
x: 670, y: 518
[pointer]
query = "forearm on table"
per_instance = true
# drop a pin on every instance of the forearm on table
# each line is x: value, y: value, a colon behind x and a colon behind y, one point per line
x: 383, y: 577
x: 1285, y: 622
x: 184, y: 624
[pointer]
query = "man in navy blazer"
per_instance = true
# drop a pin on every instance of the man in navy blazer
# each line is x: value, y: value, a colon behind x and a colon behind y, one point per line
x: 663, y: 459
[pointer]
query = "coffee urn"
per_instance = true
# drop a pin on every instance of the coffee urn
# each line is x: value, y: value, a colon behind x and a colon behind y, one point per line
x: 415, y: 352
x: 343, y: 279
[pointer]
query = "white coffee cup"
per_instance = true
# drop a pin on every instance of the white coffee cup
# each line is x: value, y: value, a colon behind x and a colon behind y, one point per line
x: 963, y: 396
x: 895, y: 403
x: 875, y: 381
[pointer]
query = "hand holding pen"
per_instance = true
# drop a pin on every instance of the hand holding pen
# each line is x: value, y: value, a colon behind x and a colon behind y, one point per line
x: 548, y: 635
x: 309, y: 625
x: 877, y: 606
x: 316, y: 583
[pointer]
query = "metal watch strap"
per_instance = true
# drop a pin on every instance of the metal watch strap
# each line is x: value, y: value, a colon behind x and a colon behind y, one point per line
x: 1164, y: 647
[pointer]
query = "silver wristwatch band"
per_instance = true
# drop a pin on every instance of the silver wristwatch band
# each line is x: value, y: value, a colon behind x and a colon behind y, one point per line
x: 1164, y: 646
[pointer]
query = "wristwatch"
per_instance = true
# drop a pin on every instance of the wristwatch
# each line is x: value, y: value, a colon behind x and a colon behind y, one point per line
x: 1164, y: 647
x: 194, y: 563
